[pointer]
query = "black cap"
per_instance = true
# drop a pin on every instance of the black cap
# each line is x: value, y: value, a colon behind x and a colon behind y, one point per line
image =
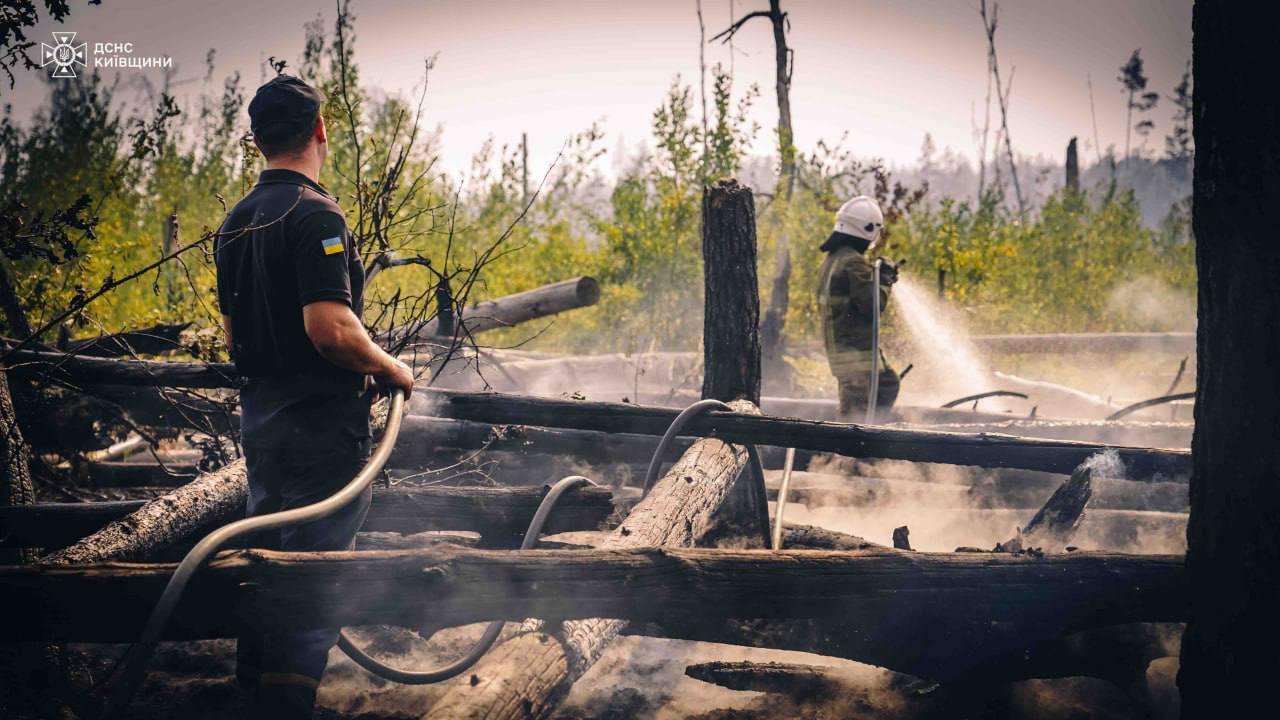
x: 284, y: 101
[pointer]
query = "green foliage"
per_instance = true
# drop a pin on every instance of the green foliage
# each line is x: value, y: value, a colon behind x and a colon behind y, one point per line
x: 638, y: 233
x: 1054, y: 273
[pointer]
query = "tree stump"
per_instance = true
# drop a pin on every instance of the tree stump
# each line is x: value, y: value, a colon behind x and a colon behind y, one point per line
x: 731, y: 309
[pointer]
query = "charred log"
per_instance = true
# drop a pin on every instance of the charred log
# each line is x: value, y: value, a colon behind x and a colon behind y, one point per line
x: 155, y: 340
x: 507, y: 311
x: 878, y: 595
x: 731, y: 305
x: 1054, y: 524
x: 986, y: 450
x: 500, y: 515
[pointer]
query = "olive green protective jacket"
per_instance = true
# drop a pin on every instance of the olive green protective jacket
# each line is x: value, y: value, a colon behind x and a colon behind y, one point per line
x: 845, y: 304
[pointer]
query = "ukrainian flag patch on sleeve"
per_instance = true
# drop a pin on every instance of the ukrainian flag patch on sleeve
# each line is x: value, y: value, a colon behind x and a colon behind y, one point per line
x: 331, y: 245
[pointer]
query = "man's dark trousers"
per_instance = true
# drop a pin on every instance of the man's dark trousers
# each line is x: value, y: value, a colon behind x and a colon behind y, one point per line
x: 282, y: 670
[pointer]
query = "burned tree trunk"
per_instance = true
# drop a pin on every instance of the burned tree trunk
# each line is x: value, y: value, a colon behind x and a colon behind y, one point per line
x: 500, y: 514
x: 731, y: 309
x: 1073, y: 169
x: 502, y: 312
x: 1053, y: 524
x: 1229, y: 649
x: 15, y: 458
x: 213, y: 497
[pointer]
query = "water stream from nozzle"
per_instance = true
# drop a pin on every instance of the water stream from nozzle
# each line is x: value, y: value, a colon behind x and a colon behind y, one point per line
x: 947, y: 363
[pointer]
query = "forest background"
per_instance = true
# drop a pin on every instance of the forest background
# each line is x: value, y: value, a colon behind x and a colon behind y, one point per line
x: 93, y: 189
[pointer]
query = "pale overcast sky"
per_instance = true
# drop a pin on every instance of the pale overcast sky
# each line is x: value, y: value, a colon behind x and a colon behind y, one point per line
x: 884, y: 71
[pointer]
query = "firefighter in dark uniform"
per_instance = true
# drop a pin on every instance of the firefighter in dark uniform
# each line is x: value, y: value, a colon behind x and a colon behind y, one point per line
x: 846, y: 306
x: 290, y: 289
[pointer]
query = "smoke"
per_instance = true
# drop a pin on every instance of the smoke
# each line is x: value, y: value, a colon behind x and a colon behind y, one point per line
x: 1105, y: 465
x: 1153, y: 305
x: 949, y: 506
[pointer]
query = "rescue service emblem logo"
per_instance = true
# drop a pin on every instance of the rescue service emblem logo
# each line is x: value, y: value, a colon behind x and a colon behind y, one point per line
x: 63, y: 55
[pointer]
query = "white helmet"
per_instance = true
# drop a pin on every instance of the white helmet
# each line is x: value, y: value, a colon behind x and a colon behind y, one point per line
x: 860, y: 217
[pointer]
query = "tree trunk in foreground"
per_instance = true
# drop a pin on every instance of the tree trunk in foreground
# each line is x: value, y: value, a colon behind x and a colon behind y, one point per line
x: 213, y: 497
x: 529, y: 675
x: 15, y: 464
x: 731, y: 306
x: 1229, y: 649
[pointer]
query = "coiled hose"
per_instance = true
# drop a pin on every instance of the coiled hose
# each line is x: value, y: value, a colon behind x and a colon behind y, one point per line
x: 688, y: 415
x: 477, y: 651
x: 135, y: 661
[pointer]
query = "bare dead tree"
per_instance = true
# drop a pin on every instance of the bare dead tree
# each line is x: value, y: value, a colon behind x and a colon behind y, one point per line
x: 982, y: 141
x: 702, y: 72
x: 1002, y: 95
x: 771, y: 329
x: 1093, y: 113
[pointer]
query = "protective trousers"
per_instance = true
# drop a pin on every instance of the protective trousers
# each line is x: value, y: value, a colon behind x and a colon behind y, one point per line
x: 854, y: 387
x: 281, y: 671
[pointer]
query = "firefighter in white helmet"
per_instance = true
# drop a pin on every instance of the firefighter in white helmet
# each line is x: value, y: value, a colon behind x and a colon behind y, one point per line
x: 846, y: 305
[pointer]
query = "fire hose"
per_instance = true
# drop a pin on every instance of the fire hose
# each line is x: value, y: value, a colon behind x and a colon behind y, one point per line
x: 135, y: 661
x: 873, y: 390
x: 688, y: 415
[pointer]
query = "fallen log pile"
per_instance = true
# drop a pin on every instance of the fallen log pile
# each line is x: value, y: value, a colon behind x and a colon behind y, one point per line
x: 943, y: 616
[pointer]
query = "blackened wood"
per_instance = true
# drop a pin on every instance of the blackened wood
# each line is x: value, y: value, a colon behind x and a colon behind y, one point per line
x: 771, y: 677
x: 869, y: 589
x: 16, y: 489
x: 731, y: 303
x: 155, y: 340
x: 499, y: 514
x: 984, y: 450
x: 1054, y: 524
x: 811, y: 537
x: 39, y: 364
x: 766, y: 677
x: 507, y: 311
x: 114, y: 473
x: 1229, y: 649
x: 946, y: 649
x: 1072, y: 181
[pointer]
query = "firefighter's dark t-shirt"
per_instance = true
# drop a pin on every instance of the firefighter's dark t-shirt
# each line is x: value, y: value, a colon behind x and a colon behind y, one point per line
x: 286, y: 245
